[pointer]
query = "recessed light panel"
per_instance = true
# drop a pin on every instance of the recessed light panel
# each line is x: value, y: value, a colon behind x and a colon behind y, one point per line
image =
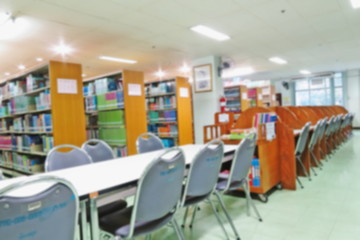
x: 278, y: 60
x: 114, y: 59
x: 355, y: 3
x: 211, y: 33
x: 305, y: 72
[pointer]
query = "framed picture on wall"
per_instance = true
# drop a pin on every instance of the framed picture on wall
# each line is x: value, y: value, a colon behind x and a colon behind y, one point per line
x: 203, y: 78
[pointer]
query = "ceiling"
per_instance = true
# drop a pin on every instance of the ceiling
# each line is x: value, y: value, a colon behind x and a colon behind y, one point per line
x: 318, y: 35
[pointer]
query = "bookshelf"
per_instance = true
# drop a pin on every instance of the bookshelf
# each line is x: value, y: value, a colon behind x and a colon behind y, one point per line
x: 32, y: 110
x: 115, y: 109
x: 266, y: 96
x: 169, y: 111
x: 236, y: 98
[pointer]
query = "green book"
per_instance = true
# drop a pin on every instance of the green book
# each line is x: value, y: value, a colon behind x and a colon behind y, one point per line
x: 111, y: 118
x: 113, y: 136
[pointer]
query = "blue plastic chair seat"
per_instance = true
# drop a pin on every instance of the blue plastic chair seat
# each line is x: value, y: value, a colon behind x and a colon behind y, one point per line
x: 118, y: 223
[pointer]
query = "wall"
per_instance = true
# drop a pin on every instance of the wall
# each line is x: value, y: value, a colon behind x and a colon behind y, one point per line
x: 207, y: 103
x: 352, y: 94
x: 286, y: 94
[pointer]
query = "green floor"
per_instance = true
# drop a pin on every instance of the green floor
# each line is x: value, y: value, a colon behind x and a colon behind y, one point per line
x: 327, y: 208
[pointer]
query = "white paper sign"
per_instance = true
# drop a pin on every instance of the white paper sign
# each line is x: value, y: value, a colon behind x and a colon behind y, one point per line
x: 67, y: 86
x: 266, y: 91
x: 273, y: 97
x: 134, y: 89
x: 224, y: 118
x: 244, y: 96
x: 260, y: 97
x: 184, y: 92
x: 270, y: 131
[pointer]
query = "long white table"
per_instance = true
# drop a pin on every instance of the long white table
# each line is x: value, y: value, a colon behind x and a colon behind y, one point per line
x: 112, y: 174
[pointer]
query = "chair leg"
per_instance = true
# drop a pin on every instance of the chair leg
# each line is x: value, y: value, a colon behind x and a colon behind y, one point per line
x: 314, y: 159
x: 177, y: 229
x: 298, y: 179
x: 218, y: 218
x: 185, y: 216
x: 249, y: 200
x: 193, y: 216
x: 227, y: 214
x: 303, y: 167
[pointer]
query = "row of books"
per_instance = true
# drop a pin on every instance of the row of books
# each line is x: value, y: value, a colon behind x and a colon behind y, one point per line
x: 23, y: 104
x: 101, y: 86
x: 169, y: 116
x: 43, y: 100
x: 164, y: 130
x: 105, y: 101
x: 160, y: 88
x: 261, y: 118
x: 159, y: 103
x: 92, y: 133
x: 120, y: 151
x: 168, y: 143
x: 111, y: 118
x: 33, y: 123
x: 3, y: 125
x: 24, y: 163
x: 27, y: 143
x: 23, y: 85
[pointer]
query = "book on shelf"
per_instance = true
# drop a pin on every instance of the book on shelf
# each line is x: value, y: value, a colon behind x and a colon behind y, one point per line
x: 102, y: 85
x: 159, y: 103
x: 160, y: 88
x: 36, y: 81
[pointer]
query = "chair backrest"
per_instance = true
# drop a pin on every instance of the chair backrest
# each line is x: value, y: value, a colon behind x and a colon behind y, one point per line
x: 98, y: 150
x: 56, y: 160
x: 242, y: 160
x: 329, y: 126
x: 159, y: 188
x: 315, y: 135
x: 1, y: 175
x: 302, y: 139
x: 42, y: 213
x: 148, y: 142
x: 204, y: 170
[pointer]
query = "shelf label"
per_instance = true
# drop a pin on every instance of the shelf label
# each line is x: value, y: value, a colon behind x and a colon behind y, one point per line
x: 244, y: 96
x: 134, y: 89
x: 184, y: 92
x: 67, y: 86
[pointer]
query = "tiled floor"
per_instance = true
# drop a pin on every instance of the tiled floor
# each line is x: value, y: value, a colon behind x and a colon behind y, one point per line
x: 327, y: 208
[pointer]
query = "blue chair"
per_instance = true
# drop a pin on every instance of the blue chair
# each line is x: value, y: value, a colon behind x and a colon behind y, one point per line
x: 156, y: 200
x: 148, y: 142
x: 238, y: 177
x: 313, y: 141
x: 98, y: 150
x: 40, y: 213
x: 202, y: 179
x: 56, y: 160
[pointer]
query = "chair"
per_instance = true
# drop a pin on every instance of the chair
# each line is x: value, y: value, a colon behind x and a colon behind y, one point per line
x: 148, y: 142
x: 46, y: 212
x: 238, y: 177
x: 1, y: 175
x: 300, y: 147
x: 202, y: 178
x: 313, y: 141
x: 156, y: 199
x: 98, y: 150
x: 56, y: 160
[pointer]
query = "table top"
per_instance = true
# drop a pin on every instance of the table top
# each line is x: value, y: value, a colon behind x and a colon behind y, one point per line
x: 109, y: 174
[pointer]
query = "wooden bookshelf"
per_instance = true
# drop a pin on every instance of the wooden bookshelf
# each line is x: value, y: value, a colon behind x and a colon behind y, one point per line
x: 266, y: 96
x: 236, y: 98
x: 37, y: 115
x: 170, y: 97
x: 128, y: 86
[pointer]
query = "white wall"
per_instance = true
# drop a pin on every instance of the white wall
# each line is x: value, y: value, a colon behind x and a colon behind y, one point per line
x: 352, y: 94
x: 206, y: 104
x: 286, y: 94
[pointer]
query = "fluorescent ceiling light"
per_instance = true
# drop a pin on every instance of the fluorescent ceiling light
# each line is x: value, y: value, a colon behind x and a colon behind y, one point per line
x: 305, y: 72
x: 114, y: 59
x: 39, y: 59
x: 21, y: 67
x: 83, y: 75
x: 355, y: 3
x: 277, y: 60
x: 4, y: 17
x: 160, y: 73
x: 211, y: 33
x: 63, y: 49
x: 236, y: 72
x: 185, y: 68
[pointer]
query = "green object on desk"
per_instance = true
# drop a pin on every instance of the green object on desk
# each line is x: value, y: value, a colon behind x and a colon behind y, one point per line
x: 237, y: 136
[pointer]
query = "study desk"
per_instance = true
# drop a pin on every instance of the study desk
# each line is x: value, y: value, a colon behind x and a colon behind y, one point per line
x: 93, y: 179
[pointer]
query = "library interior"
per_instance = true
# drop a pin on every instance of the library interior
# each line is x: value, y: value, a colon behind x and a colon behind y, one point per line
x: 182, y: 119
